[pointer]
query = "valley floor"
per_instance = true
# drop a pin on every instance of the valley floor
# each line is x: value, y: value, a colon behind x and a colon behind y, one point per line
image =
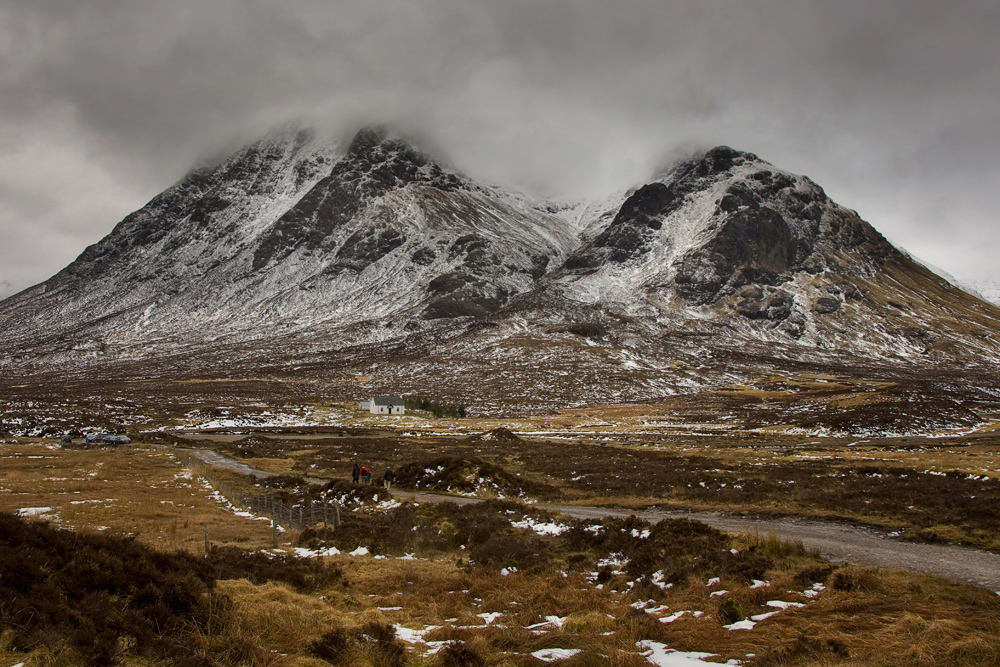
x: 502, y: 582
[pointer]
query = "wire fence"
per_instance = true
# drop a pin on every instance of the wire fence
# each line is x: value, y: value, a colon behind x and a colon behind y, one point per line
x: 299, y: 514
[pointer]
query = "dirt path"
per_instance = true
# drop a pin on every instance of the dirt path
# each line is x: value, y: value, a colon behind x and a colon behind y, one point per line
x: 834, y: 541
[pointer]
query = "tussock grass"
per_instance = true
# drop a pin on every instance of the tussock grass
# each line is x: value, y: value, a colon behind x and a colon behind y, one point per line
x: 277, y: 616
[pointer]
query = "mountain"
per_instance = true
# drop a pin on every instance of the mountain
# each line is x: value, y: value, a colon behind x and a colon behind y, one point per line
x: 302, y: 257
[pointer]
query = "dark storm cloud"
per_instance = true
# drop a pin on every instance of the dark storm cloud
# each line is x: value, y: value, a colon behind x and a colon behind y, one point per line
x: 892, y: 106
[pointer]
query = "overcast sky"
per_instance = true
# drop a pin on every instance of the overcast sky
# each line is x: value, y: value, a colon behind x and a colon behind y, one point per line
x: 891, y: 106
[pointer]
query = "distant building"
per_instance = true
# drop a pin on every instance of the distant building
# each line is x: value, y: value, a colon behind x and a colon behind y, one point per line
x: 387, y: 405
x: 365, y: 406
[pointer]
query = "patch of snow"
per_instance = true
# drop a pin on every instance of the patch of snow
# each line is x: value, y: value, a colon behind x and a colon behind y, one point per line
x: 553, y: 654
x: 740, y: 625
x: 781, y: 604
x: 302, y: 552
x: 764, y: 616
x: 674, y: 616
x: 662, y: 656
x: 541, y: 528
x: 33, y: 511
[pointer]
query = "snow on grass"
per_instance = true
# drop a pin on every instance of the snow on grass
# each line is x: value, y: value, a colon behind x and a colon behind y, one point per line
x: 781, y: 604
x: 658, y: 579
x: 360, y: 551
x: 539, y: 527
x: 553, y: 654
x: 302, y: 552
x: 662, y: 656
x: 815, y: 590
x: 674, y: 616
x: 764, y: 616
x: 554, y: 621
x: 34, y: 511
x: 745, y: 624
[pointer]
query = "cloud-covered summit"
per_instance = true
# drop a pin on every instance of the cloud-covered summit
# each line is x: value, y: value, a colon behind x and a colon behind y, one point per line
x: 892, y: 106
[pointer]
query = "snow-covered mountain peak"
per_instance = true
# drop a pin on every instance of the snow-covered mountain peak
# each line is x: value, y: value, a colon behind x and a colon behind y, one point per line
x: 357, y: 248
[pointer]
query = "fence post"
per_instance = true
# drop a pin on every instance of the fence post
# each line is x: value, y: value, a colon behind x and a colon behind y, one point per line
x: 208, y: 548
x: 336, y: 516
x: 274, y: 533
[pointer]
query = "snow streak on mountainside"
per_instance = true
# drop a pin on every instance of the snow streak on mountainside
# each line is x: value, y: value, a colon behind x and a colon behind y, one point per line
x: 288, y: 234
x: 299, y: 253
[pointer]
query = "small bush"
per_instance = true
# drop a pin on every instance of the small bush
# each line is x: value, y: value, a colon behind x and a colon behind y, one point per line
x: 730, y: 611
x: 458, y: 654
x: 813, y: 574
x: 378, y: 639
x: 856, y: 579
x: 467, y: 475
x: 511, y: 550
x: 334, y: 646
x: 304, y: 574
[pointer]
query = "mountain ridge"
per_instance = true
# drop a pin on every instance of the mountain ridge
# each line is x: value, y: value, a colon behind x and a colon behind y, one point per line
x: 297, y: 252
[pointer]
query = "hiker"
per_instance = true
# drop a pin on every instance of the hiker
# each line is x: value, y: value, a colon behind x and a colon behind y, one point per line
x: 366, y: 475
x: 355, y: 474
x: 388, y: 478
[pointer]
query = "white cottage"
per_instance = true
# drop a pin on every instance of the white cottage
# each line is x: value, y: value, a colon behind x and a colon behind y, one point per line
x: 387, y: 405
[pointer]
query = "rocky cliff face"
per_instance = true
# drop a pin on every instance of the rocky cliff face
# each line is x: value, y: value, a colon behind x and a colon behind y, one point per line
x: 299, y: 252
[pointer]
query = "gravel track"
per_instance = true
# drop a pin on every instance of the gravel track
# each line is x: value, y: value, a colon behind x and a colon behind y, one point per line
x: 834, y: 541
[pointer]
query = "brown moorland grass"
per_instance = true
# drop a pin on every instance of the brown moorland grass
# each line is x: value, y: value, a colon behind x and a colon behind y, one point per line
x: 848, y: 613
x: 138, y: 490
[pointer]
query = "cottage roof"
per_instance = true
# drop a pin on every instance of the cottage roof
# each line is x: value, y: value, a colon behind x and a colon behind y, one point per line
x: 388, y: 400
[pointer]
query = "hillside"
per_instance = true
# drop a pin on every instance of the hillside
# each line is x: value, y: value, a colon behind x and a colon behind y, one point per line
x: 303, y: 258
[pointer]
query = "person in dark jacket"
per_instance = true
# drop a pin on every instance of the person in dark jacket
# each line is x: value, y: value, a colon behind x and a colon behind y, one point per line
x: 355, y: 474
x: 388, y: 478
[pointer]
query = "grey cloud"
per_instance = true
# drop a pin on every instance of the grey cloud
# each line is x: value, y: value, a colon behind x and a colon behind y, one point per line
x: 891, y: 105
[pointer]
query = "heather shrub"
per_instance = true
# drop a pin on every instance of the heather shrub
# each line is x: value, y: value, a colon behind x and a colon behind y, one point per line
x: 860, y: 579
x: 458, y: 654
x: 304, y: 574
x: 730, y: 611
x: 511, y: 550
x: 467, y: 475
x: 813, y: 574
x: 334, y: 646
x: 99, y: 594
